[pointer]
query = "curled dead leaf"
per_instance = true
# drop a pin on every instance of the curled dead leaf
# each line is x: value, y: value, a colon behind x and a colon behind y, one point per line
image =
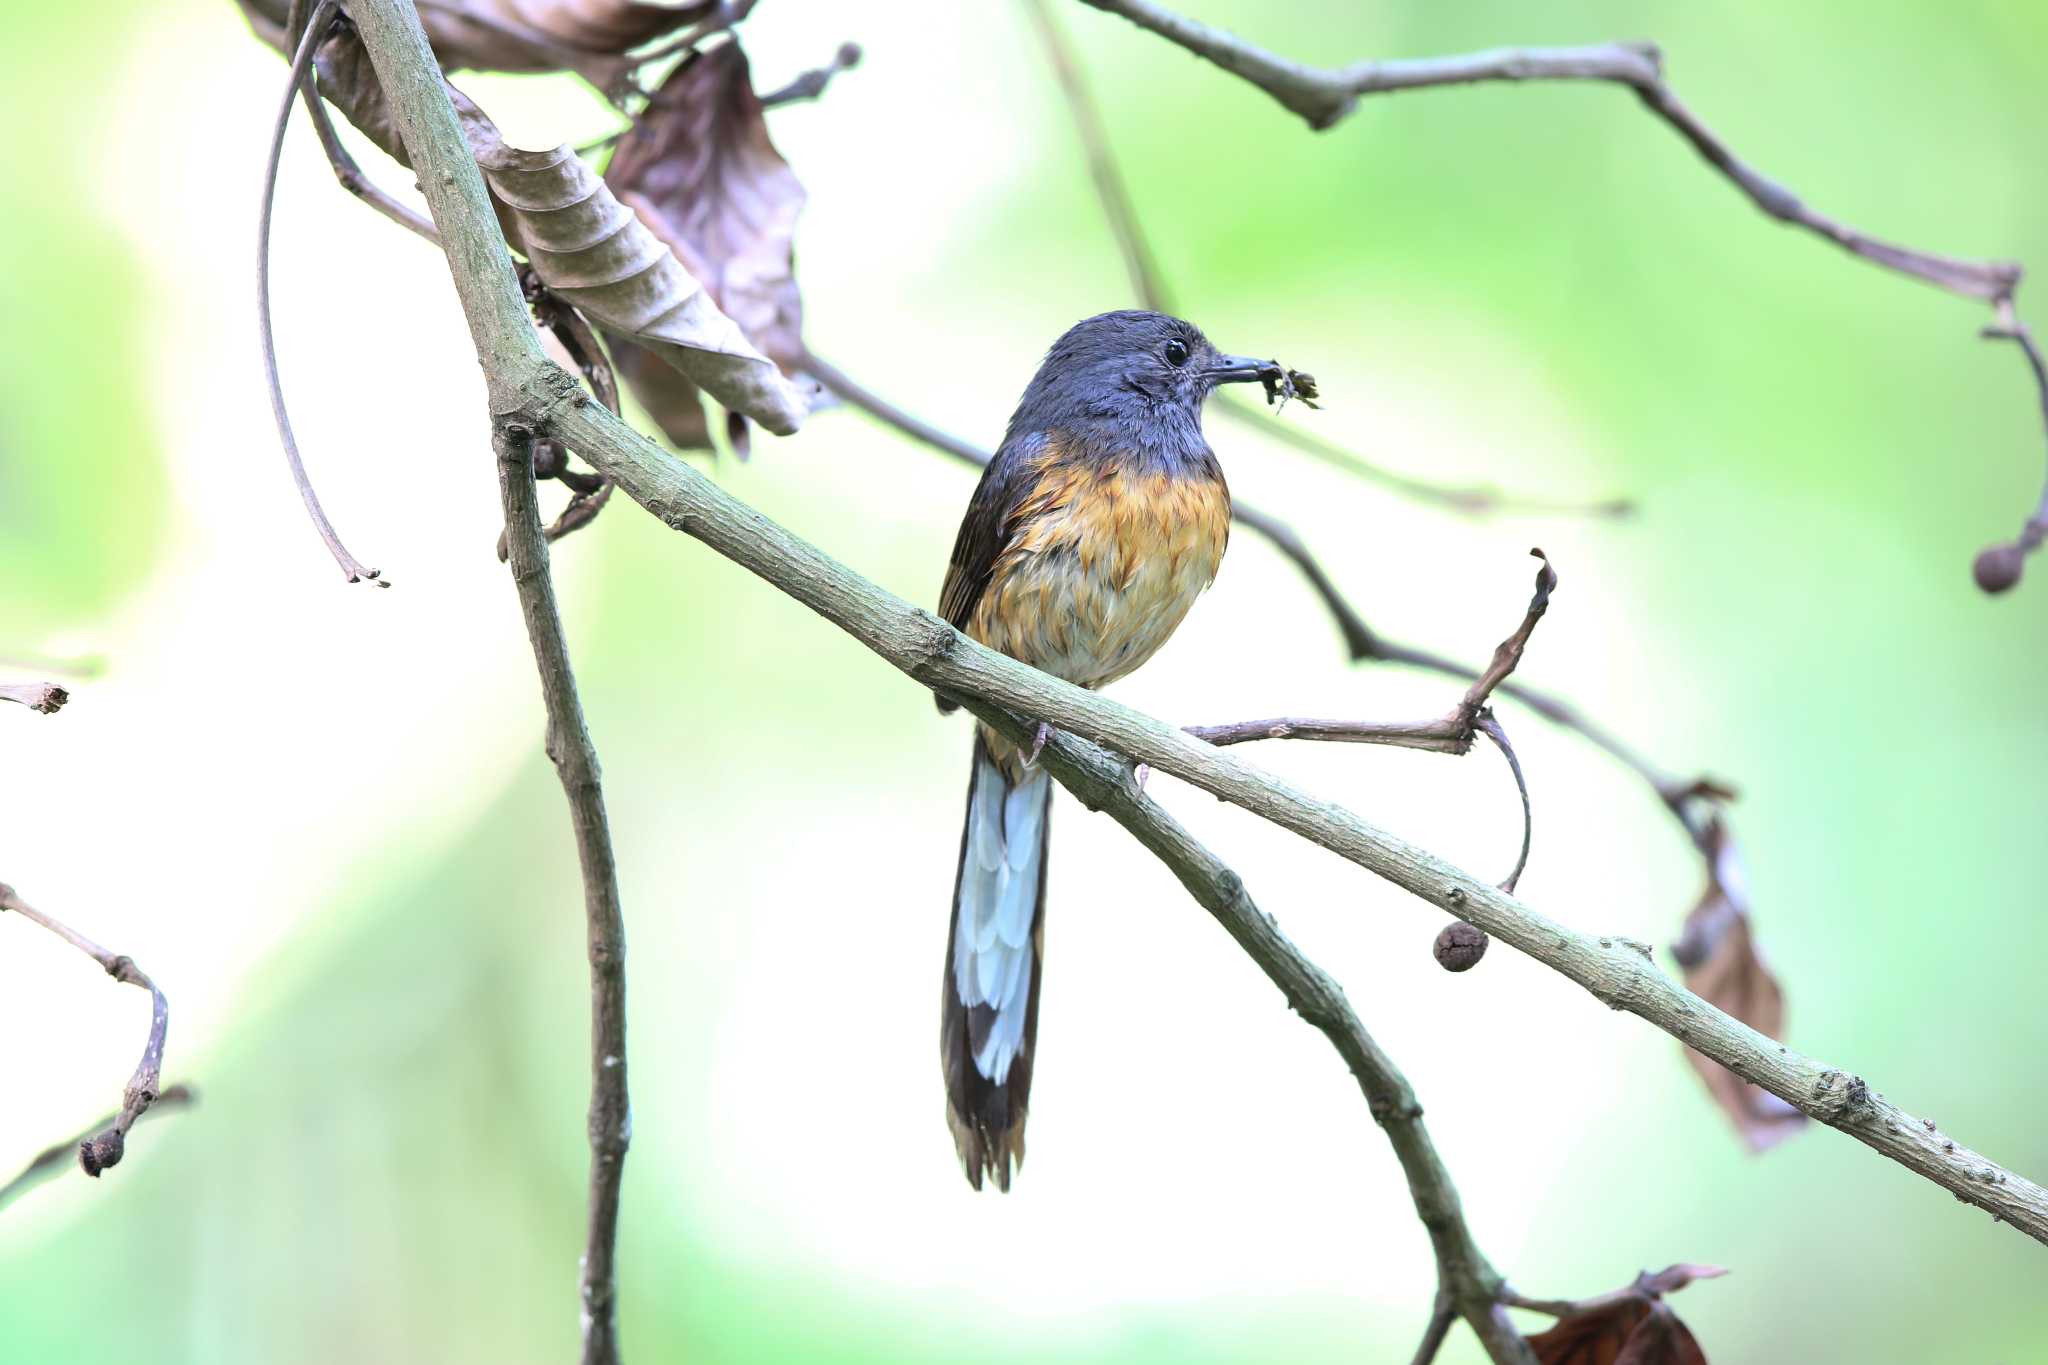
x: 671, y: 400
x: 1631, y: 1326
x: 1723, y: 967
x: 597, y: 254
x: 704, y: 175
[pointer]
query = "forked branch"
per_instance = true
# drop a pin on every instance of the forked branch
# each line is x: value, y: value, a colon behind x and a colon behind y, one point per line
x: 103, y: 1149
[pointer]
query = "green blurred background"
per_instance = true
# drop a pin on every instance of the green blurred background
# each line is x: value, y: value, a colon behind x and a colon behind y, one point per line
x: 321, y: 818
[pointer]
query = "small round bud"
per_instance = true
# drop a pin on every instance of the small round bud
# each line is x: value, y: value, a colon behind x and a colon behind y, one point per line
x: 100, y: 1151
x: 1460, y: 946
x: 1998, y: 567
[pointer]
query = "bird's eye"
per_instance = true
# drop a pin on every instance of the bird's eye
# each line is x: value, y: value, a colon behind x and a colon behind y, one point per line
x: 1176, y: 353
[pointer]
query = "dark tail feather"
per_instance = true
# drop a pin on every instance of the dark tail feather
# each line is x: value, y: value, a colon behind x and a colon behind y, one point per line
x: 995, y: 952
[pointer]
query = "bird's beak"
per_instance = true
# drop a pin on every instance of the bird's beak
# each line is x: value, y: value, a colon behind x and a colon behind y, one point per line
x: 1238, y: 369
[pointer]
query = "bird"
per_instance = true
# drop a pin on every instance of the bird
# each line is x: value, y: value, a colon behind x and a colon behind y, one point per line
x: 1101, y: 518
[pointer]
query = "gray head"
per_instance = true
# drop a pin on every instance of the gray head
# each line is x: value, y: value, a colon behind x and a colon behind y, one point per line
x: 1134, y: 370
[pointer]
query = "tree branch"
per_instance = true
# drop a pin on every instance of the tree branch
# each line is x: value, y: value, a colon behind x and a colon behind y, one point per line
x: 103, y: 1150
x: 1325, y: 96
x: 302, y: 61
x: 811, y: 84
x: 46, y: 697
x: 1998, y: 567
x: 575, y: 759
x: 549, y: 401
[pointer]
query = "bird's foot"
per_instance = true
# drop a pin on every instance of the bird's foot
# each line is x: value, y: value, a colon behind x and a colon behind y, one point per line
x: 1038, y: 740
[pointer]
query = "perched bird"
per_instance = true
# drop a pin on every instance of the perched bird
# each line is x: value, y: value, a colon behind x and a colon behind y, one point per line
x: 1100, y: 518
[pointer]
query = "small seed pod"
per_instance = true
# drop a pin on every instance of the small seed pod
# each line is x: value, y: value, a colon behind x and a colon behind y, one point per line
x: 100, y: 1151
x: 1460, y: 946
x: 1998, y: 567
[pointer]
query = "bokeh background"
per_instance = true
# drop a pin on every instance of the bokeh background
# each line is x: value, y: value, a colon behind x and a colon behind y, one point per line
x: 320, y: 815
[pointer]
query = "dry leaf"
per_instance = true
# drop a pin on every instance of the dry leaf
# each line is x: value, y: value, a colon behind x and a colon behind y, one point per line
x: 597, y: 254
x: 1632, y: 1326
x: 671, y: 400
x: 1722, y: 966
x: 585, y: 36
x: 702, y: 172
x: 588, y: 37
x: 585, y: 246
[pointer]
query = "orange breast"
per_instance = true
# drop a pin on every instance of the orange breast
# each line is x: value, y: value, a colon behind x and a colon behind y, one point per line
x: 1102, y: 568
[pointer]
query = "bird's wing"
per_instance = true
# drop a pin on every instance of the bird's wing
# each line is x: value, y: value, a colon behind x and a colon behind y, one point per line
x: 990, y: 523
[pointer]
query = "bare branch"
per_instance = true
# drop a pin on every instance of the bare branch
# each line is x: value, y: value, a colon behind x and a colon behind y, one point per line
x: 315, y: 30
x: 1475, y: 500
x: 575, y: 759
x: 58, y: 1155
x: 103, y: 1149
x: 1102, y: 782
x: 45, y: 697
x: 1448, y: 734
x: 1149, y: 287
x: 812, y: 83
x: 728, y: 13
x: 1998, y: 567
x: 1442, y: 1314
x: 1325, y: 96
x: 351, y: 174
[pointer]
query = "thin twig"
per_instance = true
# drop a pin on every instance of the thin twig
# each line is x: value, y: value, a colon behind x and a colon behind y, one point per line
x: 58, y: 1155
x: 1451, y: 733
x: 811, y: 84
x: 1442, y: 1314
x: 355, y: 569
x: 575, y: 759
x: 1476, y: 500
x: 102, y: 1150
x: 1148, y: 285
x: 351, y: 174
x: 1491, y: 728
x: 1998, y: 567
x: 1102, y: 782
x: 728, y: 13
x: 1325, y: 96
x: 46, y: 697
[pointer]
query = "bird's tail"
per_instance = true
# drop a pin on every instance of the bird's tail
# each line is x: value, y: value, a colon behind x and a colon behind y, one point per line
x: 989, y: 1019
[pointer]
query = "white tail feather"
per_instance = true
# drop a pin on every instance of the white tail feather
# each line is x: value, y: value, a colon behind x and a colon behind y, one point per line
x: 998, y: 901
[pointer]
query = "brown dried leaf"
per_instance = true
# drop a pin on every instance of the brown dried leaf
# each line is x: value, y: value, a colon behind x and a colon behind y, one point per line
x: 595, y: 253
x: 585, y: 36
x: 702, y: 171
x: 588, y: 37
x: 671, y: 400
x: 1723, y: 967
x: 1631, y: 1326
